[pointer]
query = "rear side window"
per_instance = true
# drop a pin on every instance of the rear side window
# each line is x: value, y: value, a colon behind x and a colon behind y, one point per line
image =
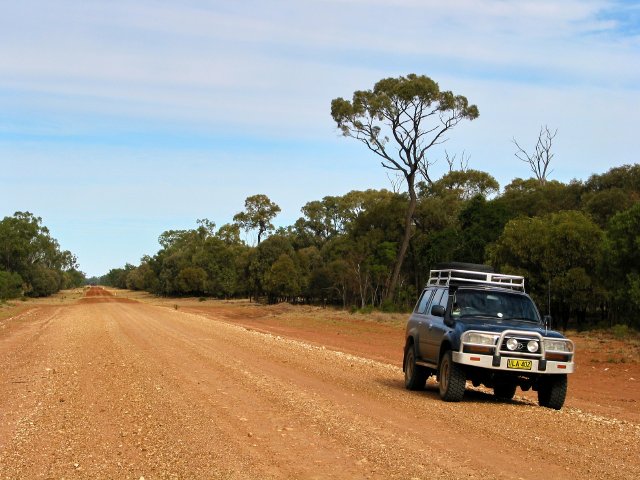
x: 421, y: 307
x: 443, y: 300
x: 439, y: 298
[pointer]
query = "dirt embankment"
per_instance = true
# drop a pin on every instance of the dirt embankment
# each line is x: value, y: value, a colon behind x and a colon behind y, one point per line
x: 128, y: 390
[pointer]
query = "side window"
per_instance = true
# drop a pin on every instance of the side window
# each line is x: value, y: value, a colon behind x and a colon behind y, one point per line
x: 444, y: 299
x: 436, y: 299
x: 424, y: 301
x: 440, y: 298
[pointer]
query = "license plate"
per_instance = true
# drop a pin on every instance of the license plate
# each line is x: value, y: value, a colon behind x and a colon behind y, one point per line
x: 519, y: 364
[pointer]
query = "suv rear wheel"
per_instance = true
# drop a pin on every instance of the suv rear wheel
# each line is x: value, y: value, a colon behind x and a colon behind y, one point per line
x: 452, y: 379
x: 415, y: 376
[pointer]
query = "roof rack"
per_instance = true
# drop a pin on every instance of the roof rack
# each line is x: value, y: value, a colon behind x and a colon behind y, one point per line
x: 449, y: 277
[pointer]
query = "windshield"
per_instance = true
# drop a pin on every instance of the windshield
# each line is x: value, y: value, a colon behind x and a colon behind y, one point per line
x: 500, y: 305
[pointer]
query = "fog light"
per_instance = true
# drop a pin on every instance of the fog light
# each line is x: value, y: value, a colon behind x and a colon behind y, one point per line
x: 532, y: 346
x: 512, y: 344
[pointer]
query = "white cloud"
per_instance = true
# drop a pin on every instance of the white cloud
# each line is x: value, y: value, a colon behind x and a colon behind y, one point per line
x: 205, y: 46
x: 90, y: 83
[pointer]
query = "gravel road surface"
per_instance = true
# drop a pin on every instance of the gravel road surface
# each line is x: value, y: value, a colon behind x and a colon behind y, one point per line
x: 112, y: 388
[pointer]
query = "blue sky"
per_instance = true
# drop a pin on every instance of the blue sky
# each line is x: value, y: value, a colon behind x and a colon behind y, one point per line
x: 119, y: 119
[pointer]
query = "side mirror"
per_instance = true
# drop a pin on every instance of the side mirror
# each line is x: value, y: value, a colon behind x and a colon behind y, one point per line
x: 437, y: 311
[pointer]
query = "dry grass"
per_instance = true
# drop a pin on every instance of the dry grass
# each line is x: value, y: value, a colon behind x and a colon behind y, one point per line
x: 602, y: 346
x: 14, y: 307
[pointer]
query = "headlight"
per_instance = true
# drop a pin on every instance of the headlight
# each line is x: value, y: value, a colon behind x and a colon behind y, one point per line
x: 480, y: 338
x: 558, y: 346
x: 532, y: 346
x: 512, y: 344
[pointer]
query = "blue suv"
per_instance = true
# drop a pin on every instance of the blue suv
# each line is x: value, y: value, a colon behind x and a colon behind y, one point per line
x: 472, y: 324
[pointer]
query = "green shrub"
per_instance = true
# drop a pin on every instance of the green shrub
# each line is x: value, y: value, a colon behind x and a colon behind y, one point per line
x: 10, y: 285
x: 389, y: 307
x: 620, y: 331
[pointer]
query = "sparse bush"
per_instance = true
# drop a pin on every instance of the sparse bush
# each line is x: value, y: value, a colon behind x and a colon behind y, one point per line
x: 388, y: 306
x: 366, y: 309
x: 10, y: 285
x: 620, y: 331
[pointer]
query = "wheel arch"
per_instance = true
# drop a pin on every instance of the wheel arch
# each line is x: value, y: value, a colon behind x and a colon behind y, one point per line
x: 445, y: 346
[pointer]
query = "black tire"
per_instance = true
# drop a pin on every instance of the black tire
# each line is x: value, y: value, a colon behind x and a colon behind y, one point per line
x: 552, y: 391
x: 452, y: 379
x: 504, y: 391
x: 415, y: 376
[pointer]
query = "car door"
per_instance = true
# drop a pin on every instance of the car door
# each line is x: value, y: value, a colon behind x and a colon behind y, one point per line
x: 420, y: 316
x: 435, y: 326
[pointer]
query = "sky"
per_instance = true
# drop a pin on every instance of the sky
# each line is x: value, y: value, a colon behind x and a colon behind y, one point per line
x: 120, y: 120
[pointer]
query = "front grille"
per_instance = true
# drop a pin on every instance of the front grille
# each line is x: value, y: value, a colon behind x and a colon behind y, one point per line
x: 522, y: 346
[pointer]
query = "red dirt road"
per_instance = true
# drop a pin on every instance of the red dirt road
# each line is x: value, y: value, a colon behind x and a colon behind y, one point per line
x: 607, y: 380
x: 110, y: 388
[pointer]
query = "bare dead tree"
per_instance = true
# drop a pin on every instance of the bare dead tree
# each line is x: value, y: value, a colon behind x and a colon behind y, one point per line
x: 426, y: 164
x: 423, y: 169
x: 540, y: 159
x: 396, y: 182
x: 463, y: 164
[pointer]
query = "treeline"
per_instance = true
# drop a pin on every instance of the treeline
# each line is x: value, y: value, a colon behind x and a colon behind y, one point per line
x: 31, y: 262
x: 578, y: 245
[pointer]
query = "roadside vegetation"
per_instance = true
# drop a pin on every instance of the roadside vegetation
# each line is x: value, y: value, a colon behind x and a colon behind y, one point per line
x: 31, y: 261
x: 576, y: 243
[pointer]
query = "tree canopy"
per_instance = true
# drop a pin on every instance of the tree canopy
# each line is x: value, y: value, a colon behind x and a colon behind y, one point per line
x: 31, y: 261
x: 399, y: 120
x: 580, y: 262
x: 258, y: 213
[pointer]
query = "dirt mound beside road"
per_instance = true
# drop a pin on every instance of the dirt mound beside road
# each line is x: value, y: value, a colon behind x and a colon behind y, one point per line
x: 101, y: 294
x: 98, y: 292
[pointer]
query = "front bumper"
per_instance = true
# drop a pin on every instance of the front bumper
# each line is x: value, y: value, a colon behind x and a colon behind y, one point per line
x: 496, y: 357
x: 537, y: 366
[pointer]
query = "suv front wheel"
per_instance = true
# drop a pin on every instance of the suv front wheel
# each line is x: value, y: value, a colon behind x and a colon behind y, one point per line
x: 552, y: 391
x: 452, y: 379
